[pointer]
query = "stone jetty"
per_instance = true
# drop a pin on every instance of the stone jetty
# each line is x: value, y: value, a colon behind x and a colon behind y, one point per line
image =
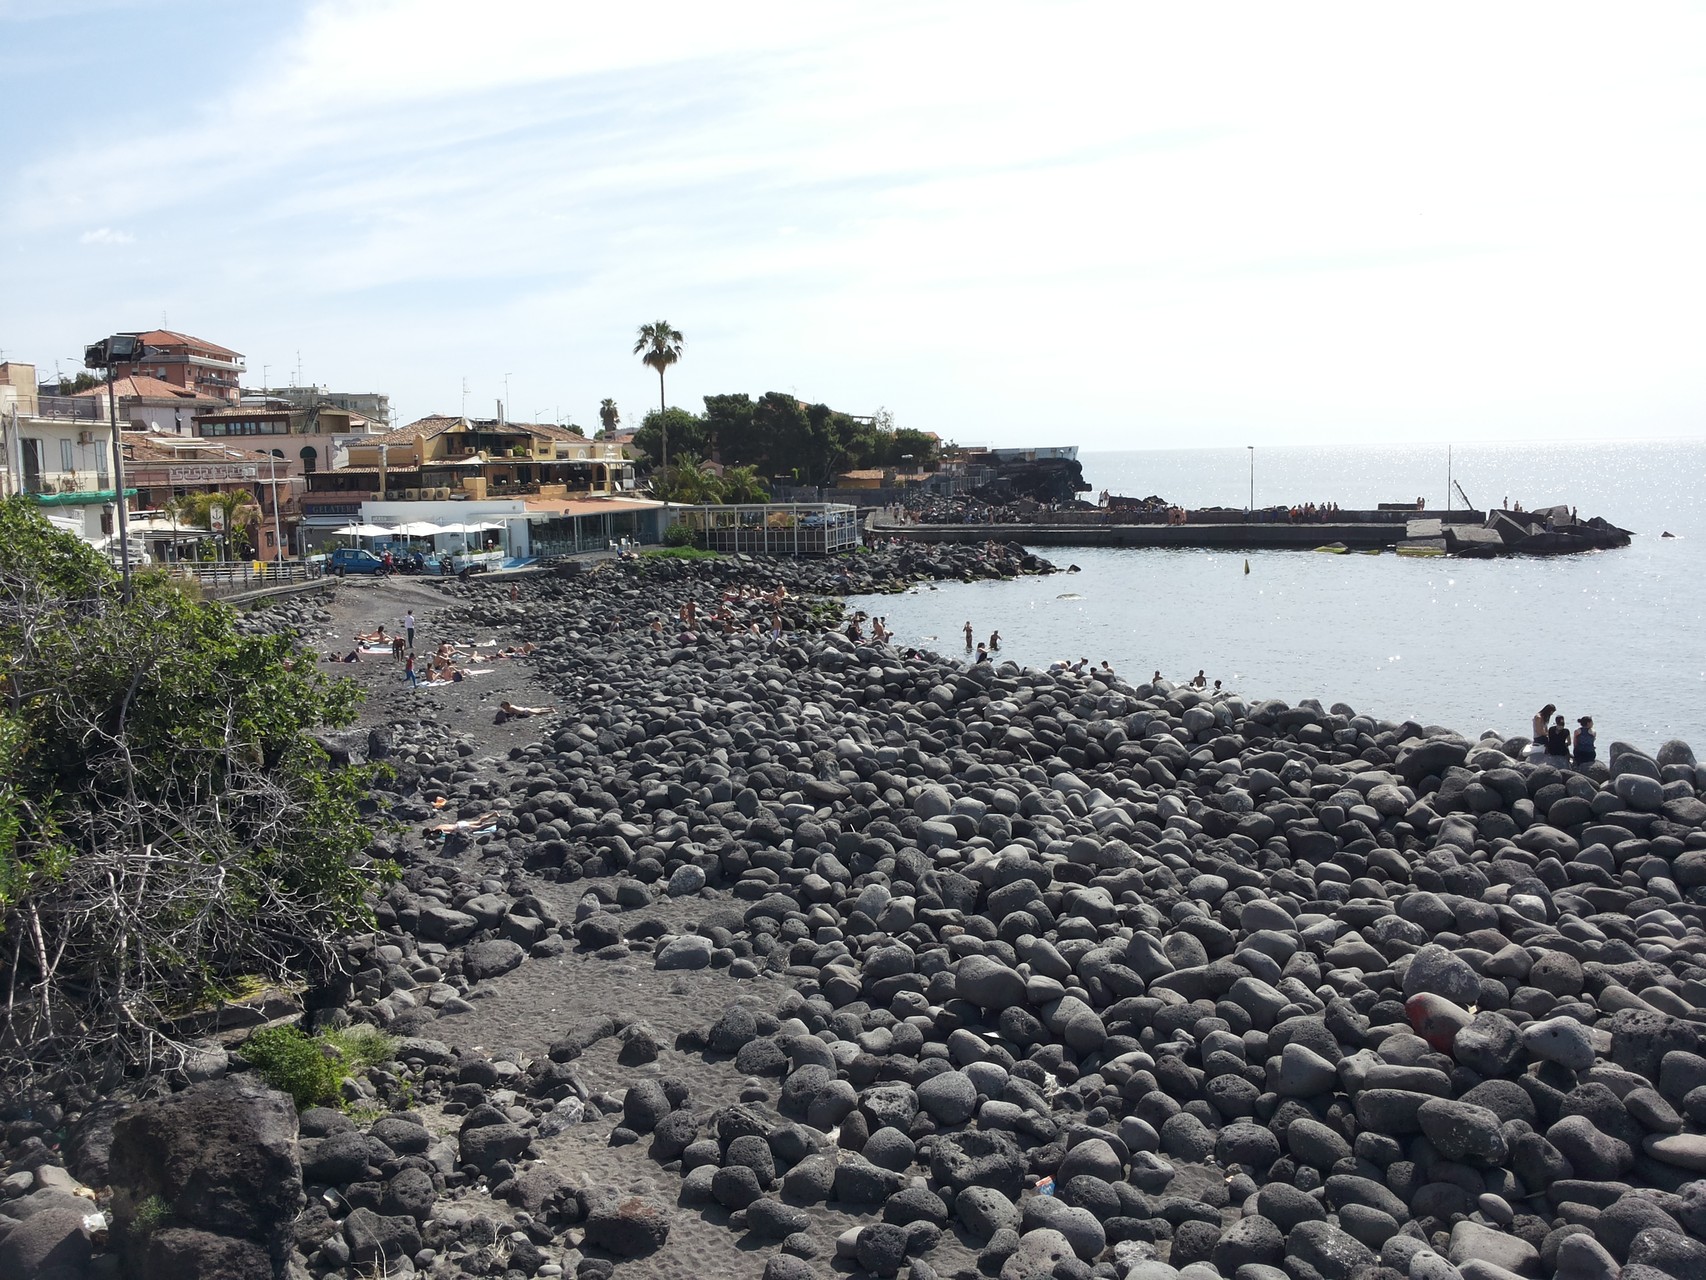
x: 794, y: 958
x: 1469, y: 534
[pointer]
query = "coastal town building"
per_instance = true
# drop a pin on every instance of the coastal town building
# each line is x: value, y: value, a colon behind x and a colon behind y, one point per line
x: 58, y: 453
x: 161, y: 469
x: 313, y: 438
x: 371, y: 405
x: 147, y: 403
x: 542, y: 483
x: 193, y: 364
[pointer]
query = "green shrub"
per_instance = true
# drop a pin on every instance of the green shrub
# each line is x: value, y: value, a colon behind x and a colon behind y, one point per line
x: 170, y: 824
x: 359, y: 1046
x: 678, y: 535
x: 680, y: 553
x: 309, y: 1068
x: 152, y: 1214
x: 293, y: 1063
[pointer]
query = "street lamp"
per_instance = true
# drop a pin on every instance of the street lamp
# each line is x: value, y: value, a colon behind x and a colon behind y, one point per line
x: 1252, y: 449
x: 121, y: 348
x: 272, y: 483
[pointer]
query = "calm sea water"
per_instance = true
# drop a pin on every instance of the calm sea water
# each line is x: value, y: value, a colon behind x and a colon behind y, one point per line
x: 1471, y: 644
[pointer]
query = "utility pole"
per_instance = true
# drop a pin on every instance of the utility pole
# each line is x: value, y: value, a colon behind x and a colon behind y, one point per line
x: 277, y: 529
x: 103, y: 355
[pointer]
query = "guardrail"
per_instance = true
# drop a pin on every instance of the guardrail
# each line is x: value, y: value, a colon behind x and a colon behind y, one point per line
x: 225, y: 577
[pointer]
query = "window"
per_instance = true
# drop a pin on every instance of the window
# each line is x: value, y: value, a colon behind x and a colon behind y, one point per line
x: 101, y: 466
x: 310, y: 459
x: 67, y: 454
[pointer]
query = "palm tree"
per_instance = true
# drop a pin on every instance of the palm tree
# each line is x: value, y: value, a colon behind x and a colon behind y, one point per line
x: 242, y: 513
x: 691, y: 483
x: 741, y: 484
x: 609, y: 415
x: 658, y: 347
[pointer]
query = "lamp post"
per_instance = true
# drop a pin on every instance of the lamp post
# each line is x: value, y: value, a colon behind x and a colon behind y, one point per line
x: 272, y: 483
x: 1252, y: 449
x: 118, y: 349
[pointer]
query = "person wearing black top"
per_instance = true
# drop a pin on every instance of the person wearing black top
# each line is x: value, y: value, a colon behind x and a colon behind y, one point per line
x: 1558, y: 739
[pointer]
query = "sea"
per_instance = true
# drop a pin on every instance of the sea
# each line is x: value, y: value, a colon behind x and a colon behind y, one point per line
x: 1470, y: 645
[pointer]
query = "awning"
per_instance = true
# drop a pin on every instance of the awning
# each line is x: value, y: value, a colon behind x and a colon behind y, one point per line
x: 420, y: 529
x: 363, y: 531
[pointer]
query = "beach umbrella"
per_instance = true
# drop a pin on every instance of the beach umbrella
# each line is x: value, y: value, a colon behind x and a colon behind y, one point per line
x: 420, y: 529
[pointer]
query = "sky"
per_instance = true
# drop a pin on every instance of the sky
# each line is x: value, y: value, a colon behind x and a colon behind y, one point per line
x: 1121, y: 225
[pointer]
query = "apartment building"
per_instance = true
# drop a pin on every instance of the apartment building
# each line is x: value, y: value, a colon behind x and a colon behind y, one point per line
x: 193, y: 364
x: 57, y: 451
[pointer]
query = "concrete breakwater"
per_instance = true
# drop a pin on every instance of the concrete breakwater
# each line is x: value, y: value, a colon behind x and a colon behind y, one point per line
x: 806, y: 957
x: 1461, y: 533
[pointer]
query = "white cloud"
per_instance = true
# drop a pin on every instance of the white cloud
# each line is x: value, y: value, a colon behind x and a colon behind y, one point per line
x: 106, y: 235
x: 1330, y: 218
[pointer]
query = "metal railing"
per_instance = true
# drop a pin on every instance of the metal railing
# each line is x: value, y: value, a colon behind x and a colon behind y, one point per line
x: 77, y: 408
x: 227, y: 577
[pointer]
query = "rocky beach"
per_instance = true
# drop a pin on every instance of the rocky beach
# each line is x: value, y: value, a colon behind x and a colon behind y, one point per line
x: 795, y: 956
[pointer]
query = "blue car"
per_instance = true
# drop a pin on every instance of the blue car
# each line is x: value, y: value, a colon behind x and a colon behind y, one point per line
x: 354, y: 560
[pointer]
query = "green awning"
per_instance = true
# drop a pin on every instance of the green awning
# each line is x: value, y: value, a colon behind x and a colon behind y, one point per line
x: 80, y: 499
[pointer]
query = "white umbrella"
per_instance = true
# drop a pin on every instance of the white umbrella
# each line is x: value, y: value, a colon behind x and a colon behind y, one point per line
x: 420, y: 529
x: 363, y: 530
x: 480, y: 527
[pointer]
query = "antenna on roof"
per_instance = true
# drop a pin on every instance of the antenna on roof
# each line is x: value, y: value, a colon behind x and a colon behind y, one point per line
x: 464, y: 395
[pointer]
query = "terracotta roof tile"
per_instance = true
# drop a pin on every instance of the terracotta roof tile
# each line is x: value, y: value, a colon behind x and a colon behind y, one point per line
x: 171, y: 338
x: 139, y: 386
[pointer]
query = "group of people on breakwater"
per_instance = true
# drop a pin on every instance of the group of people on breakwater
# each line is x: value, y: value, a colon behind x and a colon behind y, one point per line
x: 1554, y: 742
x: 745, y: 608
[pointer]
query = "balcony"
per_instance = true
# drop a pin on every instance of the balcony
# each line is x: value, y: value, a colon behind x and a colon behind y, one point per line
x: 70, y: 408
x: 70, y: 488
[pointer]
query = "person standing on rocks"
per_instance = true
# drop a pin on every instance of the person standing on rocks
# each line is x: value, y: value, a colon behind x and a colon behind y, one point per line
x: 968, y: 635
x: 409, y: 629
x: 409, y: 672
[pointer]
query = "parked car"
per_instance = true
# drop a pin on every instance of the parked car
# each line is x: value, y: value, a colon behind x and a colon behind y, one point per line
x: 354, y: 560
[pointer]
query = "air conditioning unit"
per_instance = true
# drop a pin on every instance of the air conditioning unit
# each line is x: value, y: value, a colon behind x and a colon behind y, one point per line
x: 85, y: 437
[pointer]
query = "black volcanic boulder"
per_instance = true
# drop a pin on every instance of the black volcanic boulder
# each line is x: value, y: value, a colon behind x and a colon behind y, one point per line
x: 222, y: 1157
x: 629, y: 1227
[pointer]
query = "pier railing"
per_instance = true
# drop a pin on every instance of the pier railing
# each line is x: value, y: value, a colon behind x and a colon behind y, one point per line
x: 231, y: 577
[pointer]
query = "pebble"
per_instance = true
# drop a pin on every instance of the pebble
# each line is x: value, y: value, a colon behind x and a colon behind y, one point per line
x: 1263, y: 986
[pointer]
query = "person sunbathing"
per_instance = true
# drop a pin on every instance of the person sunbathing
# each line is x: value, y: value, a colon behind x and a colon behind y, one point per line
x: 511, y: 710
x: 378, y: 635
x: 487, y: 819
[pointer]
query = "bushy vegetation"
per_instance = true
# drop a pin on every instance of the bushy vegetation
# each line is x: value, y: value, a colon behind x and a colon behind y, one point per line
x: 310, y: 1068
x: 168, y: 822
x: 776, y: 435
x: 679, y: 553
x: 678, y: 535
x: 152, y: 1214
